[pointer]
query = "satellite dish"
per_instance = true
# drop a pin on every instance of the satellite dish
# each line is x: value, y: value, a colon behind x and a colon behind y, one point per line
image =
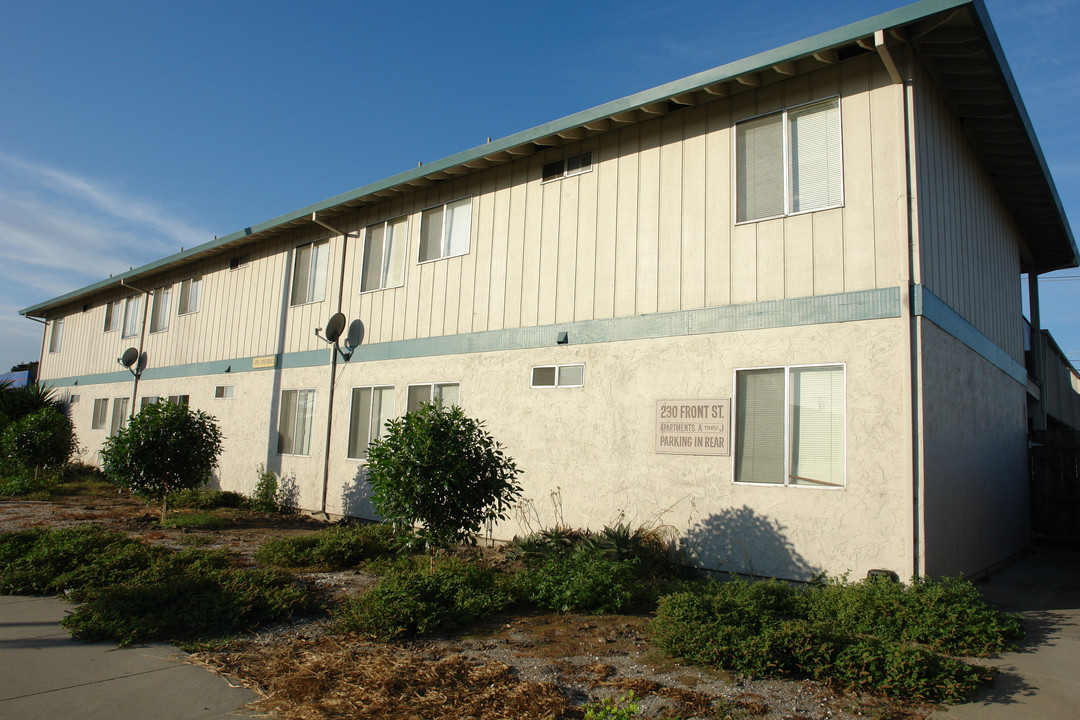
x: 130, y: 357
x: 356, y: 334
x: 335, y: 327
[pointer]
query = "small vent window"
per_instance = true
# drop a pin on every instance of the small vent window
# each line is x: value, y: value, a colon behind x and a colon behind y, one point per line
x: 562, y: 376
x: 223, y: 391
x: 238, y: 261
x: 573, y: 165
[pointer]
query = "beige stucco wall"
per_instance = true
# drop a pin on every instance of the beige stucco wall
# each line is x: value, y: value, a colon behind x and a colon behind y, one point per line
x: 974, y: 455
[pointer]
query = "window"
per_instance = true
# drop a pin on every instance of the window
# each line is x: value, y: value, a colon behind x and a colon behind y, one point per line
x: 789, y: 162
x: 446, y: 392
x: 72, y: 399
x: 238, y: 261
x: 149, y: 400
x: 190, y: 290
x: 179, y: 399
x: 112, y: 316
x: 789, y: 426
x: 371, y: 408
x: 119, y: 415
x: 549, y: 376
x: 573, y: 165
x: 309, y: 273
x: 384, y: 255
x: 56, y: 335
x: 294, y: 422
x: 101, y: 414
x: 445, y: 230
x: 132, y: 306
x: 159, y: 316
x: 223, y: 391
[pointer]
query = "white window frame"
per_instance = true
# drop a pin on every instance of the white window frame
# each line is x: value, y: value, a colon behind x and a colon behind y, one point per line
x: 114, y: 317
x: 318, y: 273
x: 223, y: 392
x: 375, y: 429
x: 120, y: 415
x: 130, y: 325
x: 558, y: 376
x: 787, y: 427
x: 56, y: 334
x: 444, y: 238
x: 385, y: 260
x: 282, y: 411
x: 431, y: 391
x: 787, y: 158
x: 565, y: 162
x: 160, y: 310
x: 100, y: 415
x: 189, y: 296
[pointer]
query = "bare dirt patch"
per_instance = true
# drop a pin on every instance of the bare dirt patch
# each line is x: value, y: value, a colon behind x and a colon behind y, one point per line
x: 521, y: 666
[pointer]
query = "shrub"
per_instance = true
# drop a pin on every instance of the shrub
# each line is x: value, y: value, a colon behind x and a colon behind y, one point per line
x: 439, y: 468
x: 336, y: 547
x: 165, y: 448
x: 15, y: 480
x: 271, y: 496
x: 848, y: 634
x: 43, y: 439
x: 206, y: 499
x: 580, y: 581
x: 412, y: 601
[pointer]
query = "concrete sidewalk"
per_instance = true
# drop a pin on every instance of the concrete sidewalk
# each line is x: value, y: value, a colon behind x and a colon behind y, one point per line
x: 46, y: 674
x: 1041, y: 681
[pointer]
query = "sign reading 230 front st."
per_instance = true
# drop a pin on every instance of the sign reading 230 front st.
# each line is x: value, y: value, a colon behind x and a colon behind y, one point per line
x: 693, y: 427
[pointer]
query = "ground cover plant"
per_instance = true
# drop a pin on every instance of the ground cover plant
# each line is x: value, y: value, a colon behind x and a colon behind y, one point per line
x: 332, y: 548
x: 873, y: 635
x: 130, y: 591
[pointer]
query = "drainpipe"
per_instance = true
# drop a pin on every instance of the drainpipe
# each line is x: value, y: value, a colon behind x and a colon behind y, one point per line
x: 1036, y: 370
x: 333, y: 363
x: 142, y: 337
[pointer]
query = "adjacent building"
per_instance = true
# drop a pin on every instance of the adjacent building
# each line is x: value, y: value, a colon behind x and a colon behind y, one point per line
x: 775, y: 306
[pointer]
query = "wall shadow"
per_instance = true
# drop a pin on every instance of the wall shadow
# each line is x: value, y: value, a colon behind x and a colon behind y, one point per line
x: 356, y: 497
x: 743, y: 541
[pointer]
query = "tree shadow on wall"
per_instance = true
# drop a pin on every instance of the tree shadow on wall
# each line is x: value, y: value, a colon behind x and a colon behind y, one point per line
x: 743, y: 541
x: 356, y: 497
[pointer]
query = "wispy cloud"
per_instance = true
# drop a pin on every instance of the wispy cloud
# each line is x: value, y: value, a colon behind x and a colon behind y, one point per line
x: 60, y: 230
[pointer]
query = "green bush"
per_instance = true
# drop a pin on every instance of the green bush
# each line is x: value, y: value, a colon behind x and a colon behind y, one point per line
x: 580, y: 581
x: 847, y: 634
x: 206, y: 499
x: 440, y: 469
x: 200, y: 519
x: 44, y: 439
x: 165, y: 448
x: 411, y: 601
x: 270, y: 495
x: 611, y: 709
x: 18, y: 481
x: 336, y: 547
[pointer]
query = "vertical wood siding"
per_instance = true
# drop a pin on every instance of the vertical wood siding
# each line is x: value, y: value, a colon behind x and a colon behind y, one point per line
x: 970, y: 246
x: 650, y: 228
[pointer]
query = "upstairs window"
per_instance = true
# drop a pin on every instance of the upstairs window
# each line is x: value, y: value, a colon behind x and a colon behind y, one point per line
x: 190, y: 290
x: 573, y: 165
x: 384, y: 255
x: 446, y: 392
x: 789, y: 162
x: 372, y: 407
x: 56, y: 335
x: 445, y: 230
x: 112, y: 316
x: 789, y: 426
x: 238, y: 261
x: 159, y: 315
x: 309, y: 272
x: 132, y: 308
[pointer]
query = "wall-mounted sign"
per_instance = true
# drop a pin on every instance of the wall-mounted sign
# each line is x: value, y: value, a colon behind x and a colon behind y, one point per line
x: 267, y: 361
x: 693, y: 427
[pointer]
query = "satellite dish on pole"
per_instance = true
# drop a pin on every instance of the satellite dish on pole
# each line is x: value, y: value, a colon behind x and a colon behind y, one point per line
x: 129, y: 358
x: 355, y: 335
x: 335, y: 327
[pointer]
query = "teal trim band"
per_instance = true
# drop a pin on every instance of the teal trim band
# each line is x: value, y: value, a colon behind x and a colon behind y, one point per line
x: 928, y: 305
x: 843, y: 307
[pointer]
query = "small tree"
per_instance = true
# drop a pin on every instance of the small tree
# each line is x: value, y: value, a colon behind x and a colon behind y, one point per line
x: 166, y: 447
x: 43, y: 439
x: 439, y: 468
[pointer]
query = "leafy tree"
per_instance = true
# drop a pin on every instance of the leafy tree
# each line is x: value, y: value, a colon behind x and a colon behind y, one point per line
x: 45, y: 438
x: 439, y: 468
x: 166, y: 447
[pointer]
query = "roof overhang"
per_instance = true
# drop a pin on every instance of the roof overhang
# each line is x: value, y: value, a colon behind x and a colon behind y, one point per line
x: 953, y: 38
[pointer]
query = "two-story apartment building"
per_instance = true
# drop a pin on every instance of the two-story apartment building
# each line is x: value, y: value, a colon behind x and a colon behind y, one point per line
x: 775, y: 305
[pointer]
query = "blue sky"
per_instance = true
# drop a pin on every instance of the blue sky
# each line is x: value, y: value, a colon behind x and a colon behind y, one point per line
x: 131, y: 129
